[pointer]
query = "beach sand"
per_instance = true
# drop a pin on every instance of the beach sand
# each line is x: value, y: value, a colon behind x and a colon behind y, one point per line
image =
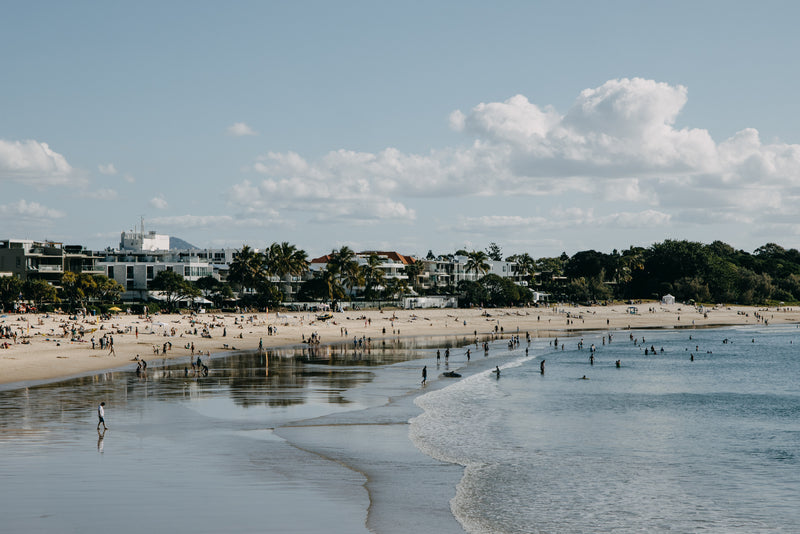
x: 45, y: 348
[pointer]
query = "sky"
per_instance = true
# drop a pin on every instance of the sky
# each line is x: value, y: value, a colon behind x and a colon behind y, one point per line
x: 544, y: 127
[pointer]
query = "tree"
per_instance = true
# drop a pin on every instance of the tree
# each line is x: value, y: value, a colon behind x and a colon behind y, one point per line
x: 393, y: 287
x: 494, y: 252
x: 526, y: 265
x: 589, y: 264
x: 324, y: 286
x: 554, y: 266
x: 77, y: 288
x: 372, y: 274
x: 107, y: 289
x: 284, y: 260
x: 477, y: 262
x: 265, y: 295
x: 471, y: 294
x: 331, y: 284
x: 430, y: 255
x: 344, y: 265
x: 214, y: 290
x: 173, y: 287
x: 10, y: 287
x: 247, y: 269
x: 500, y: 291
x: 413, y: 270
x: 39, y: 291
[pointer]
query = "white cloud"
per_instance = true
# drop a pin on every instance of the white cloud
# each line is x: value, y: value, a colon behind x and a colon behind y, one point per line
x: 33, y: 162
x: 159, y: 202
x: 344, y: 185
x: 30, y: 210
x: 240, y: 129
x: 617, y: 143
x: 107, y: 169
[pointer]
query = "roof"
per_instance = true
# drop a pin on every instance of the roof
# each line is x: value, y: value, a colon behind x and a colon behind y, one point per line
x: 322, y: 259
x: 392, y: 255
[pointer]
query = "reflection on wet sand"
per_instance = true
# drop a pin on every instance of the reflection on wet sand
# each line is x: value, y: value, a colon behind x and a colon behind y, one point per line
x: 272, y: 377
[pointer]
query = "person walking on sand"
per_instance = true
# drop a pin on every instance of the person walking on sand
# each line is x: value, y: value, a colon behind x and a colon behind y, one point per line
x: 424, y: 374
x: 101, y: 417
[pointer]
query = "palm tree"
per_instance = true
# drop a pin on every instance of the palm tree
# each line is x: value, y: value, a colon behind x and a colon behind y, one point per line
x: 284, y: 260
x: 526, y: 265
x: 478, y: 261
x: 393, y: 286
x: 413, y: 270
x: 247, y: 269
x: 330, y: 281
x: 372, y: 274
x: 345, y: 266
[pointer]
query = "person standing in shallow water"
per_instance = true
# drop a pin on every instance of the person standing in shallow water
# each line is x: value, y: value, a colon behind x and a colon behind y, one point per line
x: 101, y: 417
x: 424, y: 374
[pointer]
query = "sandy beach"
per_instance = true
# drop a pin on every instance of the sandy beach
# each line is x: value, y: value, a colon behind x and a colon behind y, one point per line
x: 53, y: 346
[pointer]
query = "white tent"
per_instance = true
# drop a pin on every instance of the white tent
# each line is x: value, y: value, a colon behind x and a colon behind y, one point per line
x: 667, y: 299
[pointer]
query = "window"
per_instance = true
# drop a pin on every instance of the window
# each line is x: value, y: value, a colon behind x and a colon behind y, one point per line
x: 110, y: 271
x: 149, y: 272
x: 129, y: 285
x: 129, y: 271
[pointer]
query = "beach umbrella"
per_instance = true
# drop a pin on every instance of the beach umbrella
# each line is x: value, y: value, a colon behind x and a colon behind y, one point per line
x: 115, y: 309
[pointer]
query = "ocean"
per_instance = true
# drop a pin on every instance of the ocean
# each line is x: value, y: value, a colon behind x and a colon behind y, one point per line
x: 346, y: 441
x: 659, y: 444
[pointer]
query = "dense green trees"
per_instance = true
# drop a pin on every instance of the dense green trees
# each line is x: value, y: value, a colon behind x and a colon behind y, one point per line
x: 10, y: 288
x: 77, y: 289
x: 174, y: 288
x: 492, y: 290
x: 250, y: 272
x: 714, y: 273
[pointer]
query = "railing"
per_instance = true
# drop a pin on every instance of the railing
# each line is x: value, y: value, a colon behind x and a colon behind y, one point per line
x: 49, y: 268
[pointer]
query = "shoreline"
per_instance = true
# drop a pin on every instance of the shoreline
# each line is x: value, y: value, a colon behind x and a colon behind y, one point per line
x: 46, y: 349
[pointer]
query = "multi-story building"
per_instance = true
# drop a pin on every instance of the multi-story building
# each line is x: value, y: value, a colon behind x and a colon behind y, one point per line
x: 448, y: 271
x: 45, y: 260
x: 141, y: 257
x: 392, y: 263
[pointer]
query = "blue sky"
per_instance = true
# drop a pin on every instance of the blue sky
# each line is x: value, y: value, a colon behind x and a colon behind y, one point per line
x: 542, y: 126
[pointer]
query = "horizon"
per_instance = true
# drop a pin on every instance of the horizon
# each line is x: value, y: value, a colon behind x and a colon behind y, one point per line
x: 545, y: 128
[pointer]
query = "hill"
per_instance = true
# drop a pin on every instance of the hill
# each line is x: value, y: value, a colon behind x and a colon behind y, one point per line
x: 176, y: 243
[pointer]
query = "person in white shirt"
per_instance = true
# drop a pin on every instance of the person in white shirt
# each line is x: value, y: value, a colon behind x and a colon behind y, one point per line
x: 101, y: 416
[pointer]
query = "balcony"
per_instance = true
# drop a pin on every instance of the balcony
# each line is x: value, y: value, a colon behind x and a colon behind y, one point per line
x: 49, y: 269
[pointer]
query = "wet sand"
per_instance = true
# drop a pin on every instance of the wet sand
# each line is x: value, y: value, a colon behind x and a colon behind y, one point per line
x: 306, y: 442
